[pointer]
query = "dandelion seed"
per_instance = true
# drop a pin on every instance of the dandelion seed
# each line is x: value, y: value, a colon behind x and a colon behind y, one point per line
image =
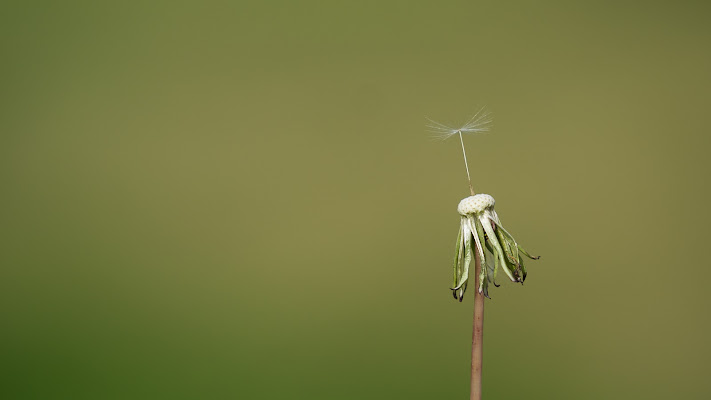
x: 479, y: 123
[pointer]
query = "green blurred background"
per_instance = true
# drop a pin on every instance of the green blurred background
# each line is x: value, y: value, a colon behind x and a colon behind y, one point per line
x: 239, y: 200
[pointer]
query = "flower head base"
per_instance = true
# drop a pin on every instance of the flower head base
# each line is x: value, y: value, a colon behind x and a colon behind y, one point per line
x: 496, y: 247
x: 475, y: 204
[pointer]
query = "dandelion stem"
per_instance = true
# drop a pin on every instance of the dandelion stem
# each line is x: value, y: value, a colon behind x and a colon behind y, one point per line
x: 478, y: 329
x: 477, y: 332
x: 466, y: 164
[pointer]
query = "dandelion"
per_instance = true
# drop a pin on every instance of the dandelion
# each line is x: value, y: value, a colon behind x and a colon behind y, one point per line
x: 483, y: 240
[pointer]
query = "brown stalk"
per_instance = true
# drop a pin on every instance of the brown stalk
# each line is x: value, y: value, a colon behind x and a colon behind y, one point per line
x: 478, y: 329
x: 477, y: 333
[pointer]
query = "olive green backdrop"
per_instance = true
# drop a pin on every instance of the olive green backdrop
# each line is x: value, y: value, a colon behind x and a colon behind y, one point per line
x: 239, y: 200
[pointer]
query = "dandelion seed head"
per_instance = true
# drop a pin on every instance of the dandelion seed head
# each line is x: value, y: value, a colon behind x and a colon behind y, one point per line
x: 476, y: 204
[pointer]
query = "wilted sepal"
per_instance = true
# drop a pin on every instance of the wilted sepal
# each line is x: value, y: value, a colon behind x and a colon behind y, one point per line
x: 480, y: 222
x: 513, y: 251
x: 462, y: 260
